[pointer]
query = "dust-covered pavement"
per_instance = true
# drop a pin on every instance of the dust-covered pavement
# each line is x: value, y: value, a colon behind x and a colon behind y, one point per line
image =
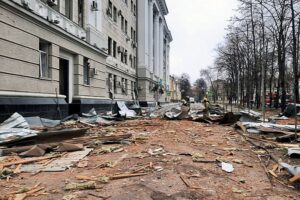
x: 161, y: 156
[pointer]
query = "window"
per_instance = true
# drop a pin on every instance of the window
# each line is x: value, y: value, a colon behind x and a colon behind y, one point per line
x: 134, y: 10
x: 122, y: 23
x: 44, y: 64
x: 125, y: 57
x: 68, y: 9
x: 115, y: 14
x: 126, y: 24
x: 131, y: 33
x: 115, y: 84
x: 122, y: 56
x: 126, y: 86
x: 134, y: 35
x: 123, y: 86
x: 131, y: 6
x: 80, y: 12
x: 130, y: 60
x: 109, y: 46
x: 134, y: 62
x: 115, y: 49
x: 110, y: 8
x: 86, y: 71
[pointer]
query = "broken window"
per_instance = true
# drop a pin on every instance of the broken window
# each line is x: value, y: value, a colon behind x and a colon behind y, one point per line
x: 44, y: 63
x: 86, y: 71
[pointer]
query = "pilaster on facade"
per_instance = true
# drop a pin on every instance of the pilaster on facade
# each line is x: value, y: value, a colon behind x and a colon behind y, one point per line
x: 151, y: 37
x: 153, y: 59
x: 156, y: 45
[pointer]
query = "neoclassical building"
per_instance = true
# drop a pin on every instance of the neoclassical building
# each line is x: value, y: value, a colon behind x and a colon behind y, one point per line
x: 59, y: 57
x: 154, y: 39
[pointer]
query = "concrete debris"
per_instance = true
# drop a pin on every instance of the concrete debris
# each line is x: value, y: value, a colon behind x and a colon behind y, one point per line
x: 67, y: 147
x: 35, y: 151
x: 227, y: 167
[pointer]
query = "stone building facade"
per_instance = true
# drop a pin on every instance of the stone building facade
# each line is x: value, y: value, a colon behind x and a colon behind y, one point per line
x: 59, y: 57
x: 154, y: 39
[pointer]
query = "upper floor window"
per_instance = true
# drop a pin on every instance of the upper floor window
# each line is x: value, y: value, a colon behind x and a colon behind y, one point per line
x: 80, y: 12
x: 122, y: 23
x: 109, y: 46
x: 115, y: 49
x: 68, y: 9
x: 44, y: 61
x: 109, y: 9
x: 115, y: 15
x: 126, y: 26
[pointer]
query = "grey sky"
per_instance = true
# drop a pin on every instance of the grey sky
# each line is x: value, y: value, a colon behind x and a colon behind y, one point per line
x: 197, y: 27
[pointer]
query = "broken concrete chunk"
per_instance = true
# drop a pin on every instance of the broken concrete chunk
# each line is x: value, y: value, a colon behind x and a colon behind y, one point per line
x: 67, y: 147
x: 35, y: 151
x: 81, y: 186
x: 227, y: 167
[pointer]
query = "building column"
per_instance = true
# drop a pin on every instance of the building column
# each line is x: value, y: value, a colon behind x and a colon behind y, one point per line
x: 143, y: 31
x: 161, y: 50
x: 156, y: 45
x: 151, y: 67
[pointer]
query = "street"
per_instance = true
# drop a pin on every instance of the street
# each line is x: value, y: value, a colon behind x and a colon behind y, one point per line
x: 161, y: 155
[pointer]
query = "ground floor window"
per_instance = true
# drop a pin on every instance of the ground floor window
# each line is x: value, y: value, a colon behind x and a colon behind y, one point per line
x: 44, y: 60
x: 86, y: 71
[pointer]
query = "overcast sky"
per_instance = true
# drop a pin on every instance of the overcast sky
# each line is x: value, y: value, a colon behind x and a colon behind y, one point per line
x: 197, y: 27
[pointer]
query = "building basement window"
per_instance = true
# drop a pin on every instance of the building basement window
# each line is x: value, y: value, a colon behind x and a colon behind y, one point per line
x: 44, y: 60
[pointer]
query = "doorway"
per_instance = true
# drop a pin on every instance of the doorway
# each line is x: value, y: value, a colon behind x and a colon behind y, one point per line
x: 64, y: 78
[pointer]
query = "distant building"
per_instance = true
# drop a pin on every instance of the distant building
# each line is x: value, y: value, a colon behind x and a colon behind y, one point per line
x: 154, y: 39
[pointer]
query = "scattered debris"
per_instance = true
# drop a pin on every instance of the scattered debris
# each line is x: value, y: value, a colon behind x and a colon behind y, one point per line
x: 81, y: 186
x: 57, y: 165
x: 227, y: 167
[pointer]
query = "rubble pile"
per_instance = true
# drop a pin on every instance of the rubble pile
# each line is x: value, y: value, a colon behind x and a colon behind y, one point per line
x: 172, y: 152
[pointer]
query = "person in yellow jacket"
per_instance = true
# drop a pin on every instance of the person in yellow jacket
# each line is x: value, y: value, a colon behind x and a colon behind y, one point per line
x: 205, y: 103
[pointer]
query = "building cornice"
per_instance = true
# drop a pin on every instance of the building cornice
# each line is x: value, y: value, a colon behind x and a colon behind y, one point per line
x: 163, y: 6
